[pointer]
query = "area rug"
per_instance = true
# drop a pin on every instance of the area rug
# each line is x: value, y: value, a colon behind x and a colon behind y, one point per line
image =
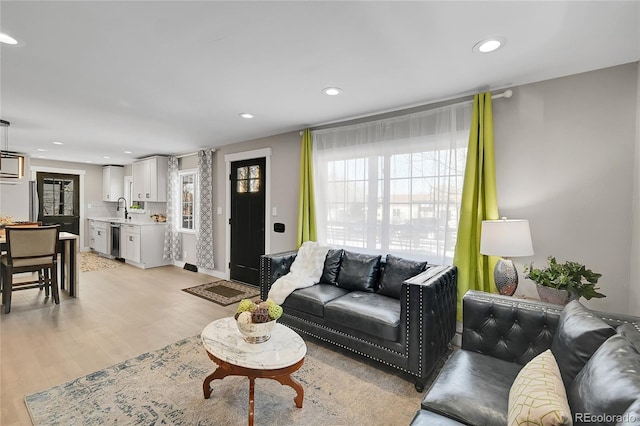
x: 165, y: 387
x: 90, y: 261
x: 224, y: 292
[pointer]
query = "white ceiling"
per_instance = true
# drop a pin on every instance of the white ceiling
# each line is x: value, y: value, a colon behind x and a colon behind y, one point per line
x: 171, y: 77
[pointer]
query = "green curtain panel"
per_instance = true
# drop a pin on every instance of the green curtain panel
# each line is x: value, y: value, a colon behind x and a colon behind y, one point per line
x: 306, y: 203
x: 479, y: 202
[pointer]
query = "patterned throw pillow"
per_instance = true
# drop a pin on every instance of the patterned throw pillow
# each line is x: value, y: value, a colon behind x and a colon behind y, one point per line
x: 537, y: 395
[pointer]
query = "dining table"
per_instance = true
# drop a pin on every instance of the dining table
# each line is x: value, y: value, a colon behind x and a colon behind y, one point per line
x: 69, y: 265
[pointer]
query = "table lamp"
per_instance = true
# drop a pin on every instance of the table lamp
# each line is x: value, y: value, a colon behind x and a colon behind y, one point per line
x: 506, y: 238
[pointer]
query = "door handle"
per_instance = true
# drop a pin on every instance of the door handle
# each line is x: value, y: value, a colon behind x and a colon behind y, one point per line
x: 148, y: 195
x: 139, y: 195
x: 131, y: 239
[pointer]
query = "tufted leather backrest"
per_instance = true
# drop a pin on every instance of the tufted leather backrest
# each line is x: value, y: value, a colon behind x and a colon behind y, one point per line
x: 516, y: 330
x: 507, y: 328
x: 272, y: 267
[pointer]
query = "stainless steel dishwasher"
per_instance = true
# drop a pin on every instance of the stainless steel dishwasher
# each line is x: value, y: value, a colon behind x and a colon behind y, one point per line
x: 115, y: 239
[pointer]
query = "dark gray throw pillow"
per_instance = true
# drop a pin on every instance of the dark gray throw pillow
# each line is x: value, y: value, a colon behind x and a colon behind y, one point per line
x: 396, y: 271
x: 578, y: 336
x: 358, y: 271
x: 608, y: 387
x: 331, y: 266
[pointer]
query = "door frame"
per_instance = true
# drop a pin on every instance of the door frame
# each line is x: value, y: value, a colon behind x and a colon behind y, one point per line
x: 81, y: 173
x: 239, y: 156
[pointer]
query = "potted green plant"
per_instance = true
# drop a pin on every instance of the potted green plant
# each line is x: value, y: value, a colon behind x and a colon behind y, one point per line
x: 560, y: 283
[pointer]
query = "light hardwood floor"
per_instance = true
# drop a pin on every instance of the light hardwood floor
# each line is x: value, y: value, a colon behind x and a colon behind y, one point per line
x: 121, y: 312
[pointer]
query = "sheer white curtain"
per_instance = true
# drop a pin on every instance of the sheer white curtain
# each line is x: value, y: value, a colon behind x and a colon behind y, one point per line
x: 393, y: 185
x: 172, y: 237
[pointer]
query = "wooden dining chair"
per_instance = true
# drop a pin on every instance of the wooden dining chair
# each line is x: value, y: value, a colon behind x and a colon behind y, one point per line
x: 30, y: 249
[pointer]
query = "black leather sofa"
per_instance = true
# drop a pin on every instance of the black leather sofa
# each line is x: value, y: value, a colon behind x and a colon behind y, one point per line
x: 404, y: 322
x: 598, y: 355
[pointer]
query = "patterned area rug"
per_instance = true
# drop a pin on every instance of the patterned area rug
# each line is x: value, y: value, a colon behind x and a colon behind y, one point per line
x: 165, y: 387
x: 90, y: 261
x: 224, y: 292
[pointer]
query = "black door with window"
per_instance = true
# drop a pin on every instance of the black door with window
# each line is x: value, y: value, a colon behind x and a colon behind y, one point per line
x: 59, y: 197
x: 247, y: 219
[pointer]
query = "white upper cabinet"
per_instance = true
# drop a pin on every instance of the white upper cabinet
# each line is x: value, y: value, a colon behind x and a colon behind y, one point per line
x: 112, y: 183
x: 150, y: 179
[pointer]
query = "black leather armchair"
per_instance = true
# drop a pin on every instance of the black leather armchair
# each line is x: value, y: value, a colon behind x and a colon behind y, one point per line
x: 426, y: 326
x: 500, y: 335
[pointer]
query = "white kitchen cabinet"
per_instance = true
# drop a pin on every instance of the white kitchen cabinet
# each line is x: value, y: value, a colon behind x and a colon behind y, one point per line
x: 112, y: 183
x: 150, y: 179
x: 142, y: 245
x: 130, y: 242
x: 101, y: 237
x: 92, y: 234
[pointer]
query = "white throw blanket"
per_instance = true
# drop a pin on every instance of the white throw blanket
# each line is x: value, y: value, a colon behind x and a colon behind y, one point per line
x: 305, y: 271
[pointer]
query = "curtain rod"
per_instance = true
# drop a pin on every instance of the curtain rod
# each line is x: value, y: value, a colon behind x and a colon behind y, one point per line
x: 506, y: 94
x: 190, y: 154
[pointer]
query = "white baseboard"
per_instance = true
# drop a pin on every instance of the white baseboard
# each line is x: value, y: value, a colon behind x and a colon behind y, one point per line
x: 211, y: 272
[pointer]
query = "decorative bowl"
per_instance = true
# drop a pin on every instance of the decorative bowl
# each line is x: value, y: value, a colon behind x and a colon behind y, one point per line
x: 256, y: 332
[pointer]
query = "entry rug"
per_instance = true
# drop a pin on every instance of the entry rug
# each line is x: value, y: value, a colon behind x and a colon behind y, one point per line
x: 90, y: 261
x: 224, y: 292
x: 165, y: 387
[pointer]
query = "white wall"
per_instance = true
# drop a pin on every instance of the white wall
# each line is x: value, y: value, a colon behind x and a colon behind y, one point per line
x: 14, y: 199
x: 285, y: 172
x: 284, y: 179
x: 14, y: 195
x: 565, y: 152
x: 634, y: 288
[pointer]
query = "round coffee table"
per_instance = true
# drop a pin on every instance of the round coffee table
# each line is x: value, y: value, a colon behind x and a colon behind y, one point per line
x: 274, y: 359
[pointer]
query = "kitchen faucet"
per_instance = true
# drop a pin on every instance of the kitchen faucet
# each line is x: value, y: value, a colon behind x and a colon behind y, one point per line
x: 126, y: 213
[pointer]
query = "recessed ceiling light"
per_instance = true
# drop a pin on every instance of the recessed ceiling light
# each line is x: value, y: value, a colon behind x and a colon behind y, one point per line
x: 41, y: 150
x: 7, y: 39
x: 332, y: 91
x: 245, y: 115
x: 489, y: 44
x: 57, y: 143
x: 106, y: 158
x: 127, y: 152
x: 88, y: 161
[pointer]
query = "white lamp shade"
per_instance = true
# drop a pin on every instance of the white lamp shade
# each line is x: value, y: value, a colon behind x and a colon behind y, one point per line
x: 506, y: 238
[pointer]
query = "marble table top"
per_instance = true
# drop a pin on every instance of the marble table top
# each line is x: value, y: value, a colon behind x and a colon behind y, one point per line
x: 222, y: 339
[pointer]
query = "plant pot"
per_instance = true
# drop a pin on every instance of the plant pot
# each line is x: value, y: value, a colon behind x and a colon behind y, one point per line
x: 256, y: 332
x: 555, y: 296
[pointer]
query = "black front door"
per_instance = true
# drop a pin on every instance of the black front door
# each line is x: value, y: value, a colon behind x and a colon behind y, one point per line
x: 247, y: 219
x: 59, y: 197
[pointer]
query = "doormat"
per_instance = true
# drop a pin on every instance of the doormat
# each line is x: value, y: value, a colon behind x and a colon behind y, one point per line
x: 224, y: 292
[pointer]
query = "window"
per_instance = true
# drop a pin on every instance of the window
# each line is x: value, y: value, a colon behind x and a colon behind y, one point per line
x: 393, y: 185
x: 57, y: 197
x: 188, y: 200
x: 248, y: 179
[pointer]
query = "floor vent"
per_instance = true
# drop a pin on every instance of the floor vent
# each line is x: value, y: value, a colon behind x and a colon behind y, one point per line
x: 190, y: 267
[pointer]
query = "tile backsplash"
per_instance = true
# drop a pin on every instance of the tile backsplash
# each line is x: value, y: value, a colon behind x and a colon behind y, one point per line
x: 108, y: 209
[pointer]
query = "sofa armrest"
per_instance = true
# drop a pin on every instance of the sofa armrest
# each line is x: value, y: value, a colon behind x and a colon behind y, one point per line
x: 507, y: 328
x: 428, y: 304
x: 272, y: 267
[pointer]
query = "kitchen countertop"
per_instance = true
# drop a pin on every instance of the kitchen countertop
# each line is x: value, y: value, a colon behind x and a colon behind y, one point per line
x: 133, y: 221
